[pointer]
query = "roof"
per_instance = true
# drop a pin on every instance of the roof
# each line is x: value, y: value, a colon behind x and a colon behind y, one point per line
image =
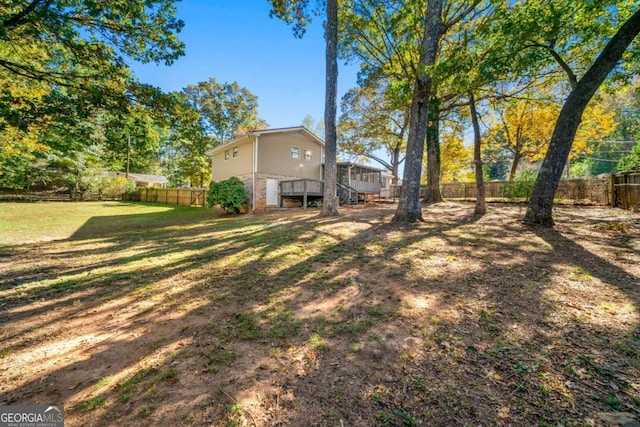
x: 260, y: 132
x: 360, y: 166
x: 145, y: 177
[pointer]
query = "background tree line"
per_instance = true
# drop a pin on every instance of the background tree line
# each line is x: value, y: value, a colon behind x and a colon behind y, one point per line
x: 527, y: 82
x: 71, y: 109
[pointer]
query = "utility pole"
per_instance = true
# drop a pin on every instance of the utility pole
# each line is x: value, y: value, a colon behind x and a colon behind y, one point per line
x: 128, y: 156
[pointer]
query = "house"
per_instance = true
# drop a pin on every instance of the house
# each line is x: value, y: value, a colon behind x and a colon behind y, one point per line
x: 146, y: 180
x: 357, y: 183
x: 264, y: 158
x: 283, y: 168
x: 387, y: 188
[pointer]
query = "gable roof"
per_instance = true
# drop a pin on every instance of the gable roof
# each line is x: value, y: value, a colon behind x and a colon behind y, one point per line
x: 258, y: 133
x: 144, y: 177
x: 148, y: 178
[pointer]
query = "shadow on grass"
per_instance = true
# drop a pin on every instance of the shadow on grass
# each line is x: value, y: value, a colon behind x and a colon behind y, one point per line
x: 301, y: 321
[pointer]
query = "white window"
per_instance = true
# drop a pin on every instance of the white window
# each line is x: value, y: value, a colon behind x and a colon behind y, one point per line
x: 235, y: 152
x: 295, y: 152
x: 307, y: 155
x: 226, y: 155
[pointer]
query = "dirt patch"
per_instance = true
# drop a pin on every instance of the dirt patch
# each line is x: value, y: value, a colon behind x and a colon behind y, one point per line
x: 289, y: 319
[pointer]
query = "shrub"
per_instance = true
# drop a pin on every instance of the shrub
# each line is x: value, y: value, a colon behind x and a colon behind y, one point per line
x: 521, y: 187
x: 630, y: 162
x: 230, y: 195
x: 106, y: 186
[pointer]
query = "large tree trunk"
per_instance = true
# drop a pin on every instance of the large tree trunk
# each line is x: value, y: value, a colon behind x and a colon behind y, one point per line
x: 409, y: 209
x: 330, y: 203
x: 544, y: 190
x: 481, y: 204
x: 434, y: 191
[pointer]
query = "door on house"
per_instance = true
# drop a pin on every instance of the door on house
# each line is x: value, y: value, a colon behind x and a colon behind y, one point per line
x: 272, y: 192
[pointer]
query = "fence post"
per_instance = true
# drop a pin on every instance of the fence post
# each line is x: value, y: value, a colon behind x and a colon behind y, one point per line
x: 612, y: 190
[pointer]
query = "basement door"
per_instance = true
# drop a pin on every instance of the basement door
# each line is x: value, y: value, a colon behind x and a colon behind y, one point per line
x: 272, y: 192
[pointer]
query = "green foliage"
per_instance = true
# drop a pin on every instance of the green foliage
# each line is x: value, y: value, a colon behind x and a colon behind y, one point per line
x: 496, y: 163
x: 298, y: 13
x: 521, y: 187
x: 630, y: 162
x: 111, y: 187
x: 372, y: 121
x: 315, y: 127
x: 205, y: 115
x: 224, y: 109
x: 229, y: 194
x: 18, y: 173
x: 63, y: 59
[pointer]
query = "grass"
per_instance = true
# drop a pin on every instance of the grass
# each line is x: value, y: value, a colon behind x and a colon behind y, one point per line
x: 93, y: 403
x: 33, y: 222
x: 306, y: 321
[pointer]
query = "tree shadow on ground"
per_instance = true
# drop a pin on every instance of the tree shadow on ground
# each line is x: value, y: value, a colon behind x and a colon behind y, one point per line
x: 347, y: 320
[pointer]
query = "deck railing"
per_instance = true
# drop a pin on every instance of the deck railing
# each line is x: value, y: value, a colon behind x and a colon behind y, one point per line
x: 299, y: 187
x: 365, y: 187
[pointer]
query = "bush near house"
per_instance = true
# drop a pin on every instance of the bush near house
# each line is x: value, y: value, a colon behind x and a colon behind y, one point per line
x: 229, y: 194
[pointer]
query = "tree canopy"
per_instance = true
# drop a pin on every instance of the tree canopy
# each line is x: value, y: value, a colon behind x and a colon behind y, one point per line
x: 631, y: 162
x: 373, y: 122
x: 59, y: 60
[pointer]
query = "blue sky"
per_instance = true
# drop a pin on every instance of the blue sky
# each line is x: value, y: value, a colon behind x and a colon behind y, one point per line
x: 235, y: 40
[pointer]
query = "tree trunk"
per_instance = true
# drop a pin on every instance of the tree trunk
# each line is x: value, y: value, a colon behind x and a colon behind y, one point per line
x: 434, y: 191
x: 409, y: 209
x: 544, y: 190
x: 395, y: 163
x: 514, y: 166
x: 481, y: 204
x: 330, y: 203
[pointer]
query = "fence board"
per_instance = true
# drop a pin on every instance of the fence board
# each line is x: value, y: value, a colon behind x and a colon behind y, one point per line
x: 596, y: 190
x: 627, y: 190
x: 174, y: 196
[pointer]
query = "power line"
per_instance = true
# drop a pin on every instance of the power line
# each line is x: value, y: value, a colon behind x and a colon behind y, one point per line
x: 600, y: 160
x: 613, y: 141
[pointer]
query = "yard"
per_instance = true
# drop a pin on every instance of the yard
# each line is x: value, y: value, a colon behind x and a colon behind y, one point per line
x: 133, y: 314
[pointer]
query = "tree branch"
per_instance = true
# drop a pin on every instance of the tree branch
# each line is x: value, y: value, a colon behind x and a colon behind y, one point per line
x: 462, y: 15
x: 573, y: 79
x: 20, y: 17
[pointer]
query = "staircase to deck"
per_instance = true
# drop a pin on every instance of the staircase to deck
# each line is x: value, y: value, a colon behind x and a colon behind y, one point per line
x: 347, y: 195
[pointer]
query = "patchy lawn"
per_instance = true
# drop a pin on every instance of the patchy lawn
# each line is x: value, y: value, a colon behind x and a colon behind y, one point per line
x: 134, y: 314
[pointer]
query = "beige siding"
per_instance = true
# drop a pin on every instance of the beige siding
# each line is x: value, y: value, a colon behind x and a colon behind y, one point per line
x: 224, y: 169
x: 274, y: 155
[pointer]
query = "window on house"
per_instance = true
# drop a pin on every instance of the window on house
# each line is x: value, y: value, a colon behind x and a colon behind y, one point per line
x: 295, y: 152
x: 307, y: 155
x: 235, y: 152
x: 383, y: 182
x: 226, y: 155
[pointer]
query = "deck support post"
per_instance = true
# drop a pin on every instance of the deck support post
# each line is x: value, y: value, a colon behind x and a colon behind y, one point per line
x: 304, y: 197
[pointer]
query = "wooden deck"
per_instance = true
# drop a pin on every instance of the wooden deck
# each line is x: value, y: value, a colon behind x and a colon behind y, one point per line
x: 304, y: 188
x: 310, y: 189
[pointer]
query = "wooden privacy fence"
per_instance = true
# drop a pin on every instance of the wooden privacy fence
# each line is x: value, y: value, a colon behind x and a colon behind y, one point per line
x: 174, y: 196
x: 594, y: 190
x: 620, y: 190
x: 626, y: 187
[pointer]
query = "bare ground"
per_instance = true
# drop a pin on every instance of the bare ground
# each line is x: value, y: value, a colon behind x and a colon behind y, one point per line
x: 288, y: 319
